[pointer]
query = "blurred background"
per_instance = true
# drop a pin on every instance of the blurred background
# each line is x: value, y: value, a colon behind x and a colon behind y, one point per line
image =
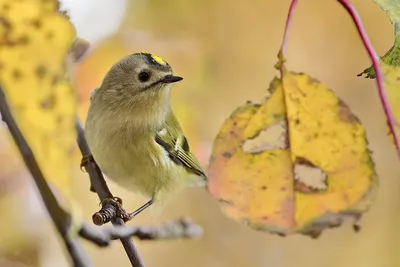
x: 226, y: 51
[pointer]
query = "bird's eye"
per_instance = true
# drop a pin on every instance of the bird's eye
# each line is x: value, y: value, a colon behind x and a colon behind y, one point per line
x: 144, y: 76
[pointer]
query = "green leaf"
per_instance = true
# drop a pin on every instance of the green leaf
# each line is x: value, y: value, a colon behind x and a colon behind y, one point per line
x: 392, y: 57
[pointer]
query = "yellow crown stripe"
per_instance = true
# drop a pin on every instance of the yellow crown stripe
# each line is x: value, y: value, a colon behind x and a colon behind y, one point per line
x: 155, y: 58
x: 158, y: 60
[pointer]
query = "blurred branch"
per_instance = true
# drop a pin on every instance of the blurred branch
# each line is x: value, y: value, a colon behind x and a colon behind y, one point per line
x: 60, y: 218
x: 375, y: 63
x: 175, y: 229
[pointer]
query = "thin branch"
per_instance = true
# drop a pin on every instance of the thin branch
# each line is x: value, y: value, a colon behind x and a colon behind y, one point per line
x: 60, y: 218
x: 100, y: 186
x: 375, y: 63
x: 183, y: 228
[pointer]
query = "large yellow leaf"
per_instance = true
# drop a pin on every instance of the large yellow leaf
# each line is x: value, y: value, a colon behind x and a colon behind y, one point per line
x: 34, y: 41
x: 298, y: 162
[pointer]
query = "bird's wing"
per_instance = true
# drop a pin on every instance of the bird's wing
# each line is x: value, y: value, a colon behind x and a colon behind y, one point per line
x: 172, y: 139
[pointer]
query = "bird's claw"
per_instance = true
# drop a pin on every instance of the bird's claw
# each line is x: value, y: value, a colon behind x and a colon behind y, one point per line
x: 85, y: 161
x: 116, y: 202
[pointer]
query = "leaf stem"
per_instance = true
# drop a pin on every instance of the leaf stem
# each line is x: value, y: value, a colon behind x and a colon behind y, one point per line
x: 100, y: 186
x: 287, y: 26
x: 378, y: 72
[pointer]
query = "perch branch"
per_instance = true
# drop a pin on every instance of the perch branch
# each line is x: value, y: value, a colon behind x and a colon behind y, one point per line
x: 60, y: 218
x: 375, y: 63
x: 100, y: 187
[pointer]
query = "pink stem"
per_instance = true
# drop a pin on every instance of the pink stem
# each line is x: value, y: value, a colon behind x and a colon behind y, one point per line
x: 288, y: 23
x: 378, y: 72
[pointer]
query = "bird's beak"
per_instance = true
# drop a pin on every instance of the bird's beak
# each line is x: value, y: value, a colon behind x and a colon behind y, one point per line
x: 171, y: 79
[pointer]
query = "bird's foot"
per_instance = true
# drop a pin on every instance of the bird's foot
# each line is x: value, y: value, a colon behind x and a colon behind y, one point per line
x: 120, y: 211
x: 85, y: 161
x: 112, y: 208
x: 84, y: 165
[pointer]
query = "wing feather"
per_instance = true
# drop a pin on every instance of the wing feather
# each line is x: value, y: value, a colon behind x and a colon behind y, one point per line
x: 172, y: 139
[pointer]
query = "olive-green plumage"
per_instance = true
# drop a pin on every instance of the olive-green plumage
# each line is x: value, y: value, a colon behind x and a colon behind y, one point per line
x: 133, y: 133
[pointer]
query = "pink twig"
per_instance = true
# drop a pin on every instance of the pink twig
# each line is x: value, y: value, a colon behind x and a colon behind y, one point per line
x: 288, y: 23
x: 378, y: 72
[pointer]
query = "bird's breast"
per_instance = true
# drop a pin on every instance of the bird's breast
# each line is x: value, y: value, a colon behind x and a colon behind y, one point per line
x: 130, y: 157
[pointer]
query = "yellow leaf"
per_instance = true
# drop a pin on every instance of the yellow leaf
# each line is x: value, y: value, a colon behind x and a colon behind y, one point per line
x: 298, y: 162
x: 34, y: 42
x: 391, y: 79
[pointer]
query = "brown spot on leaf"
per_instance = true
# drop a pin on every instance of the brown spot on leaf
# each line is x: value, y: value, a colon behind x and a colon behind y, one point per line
x: 5, y: 7
x: 345, y: 113
x: 49, y: 102
x: 312, y: 80
x: 36, y: 23
x: 264, y: 187
x: 227, y: 155
x: 59, y: 119
x: 17, y: 74
x: 49, y: 35
x: 41, y: 71
x: 55, y: 79
x: 5, y: 23
x: 303, y: 188
x: 303, y: 161
x: 23, y: 40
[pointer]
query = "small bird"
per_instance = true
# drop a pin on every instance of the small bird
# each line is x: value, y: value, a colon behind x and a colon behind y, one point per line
x: 133, y: 133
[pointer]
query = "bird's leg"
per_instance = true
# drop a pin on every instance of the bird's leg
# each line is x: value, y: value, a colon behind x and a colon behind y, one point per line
x: 139, y: 210
x: 103, y: 215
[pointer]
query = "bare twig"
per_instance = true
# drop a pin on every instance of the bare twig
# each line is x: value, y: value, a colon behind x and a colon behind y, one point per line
x: 100, y: 186
x: 183, y: 228
x: 60, y: 218
x: 375, y: 63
